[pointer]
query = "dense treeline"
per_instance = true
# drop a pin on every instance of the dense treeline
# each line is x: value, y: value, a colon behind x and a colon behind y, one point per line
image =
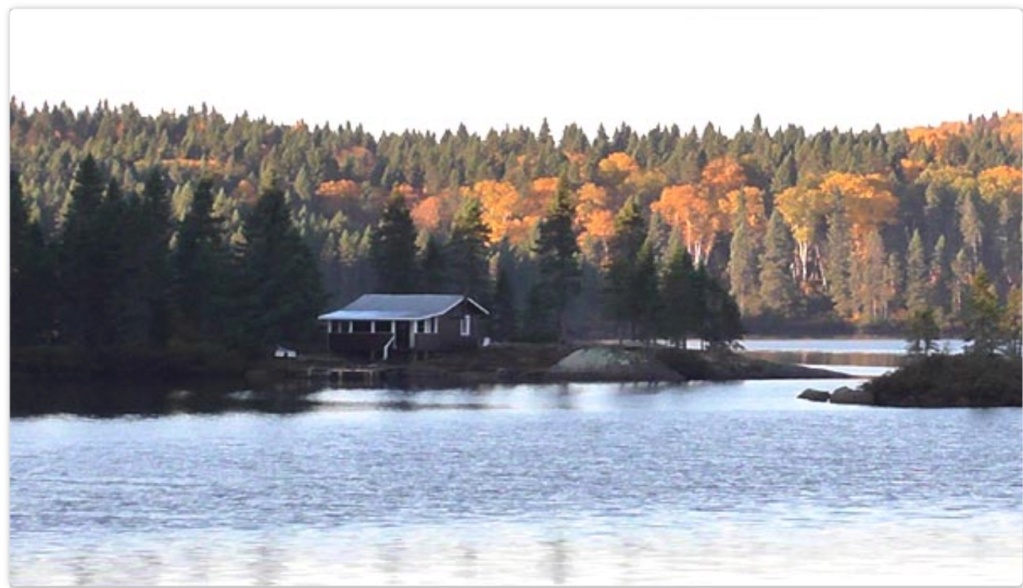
x: 123, y: 277
x: 577, y: 234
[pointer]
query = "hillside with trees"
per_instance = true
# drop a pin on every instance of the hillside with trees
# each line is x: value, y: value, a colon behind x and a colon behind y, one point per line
x: 133, y: 229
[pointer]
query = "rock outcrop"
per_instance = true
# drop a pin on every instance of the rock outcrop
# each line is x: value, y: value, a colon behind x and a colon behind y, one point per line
x: 847, y: 395
x: 613, y: 364
x: 815, y: 395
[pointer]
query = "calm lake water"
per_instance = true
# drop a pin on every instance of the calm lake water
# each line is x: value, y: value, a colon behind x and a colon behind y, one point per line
x: 733, y: 483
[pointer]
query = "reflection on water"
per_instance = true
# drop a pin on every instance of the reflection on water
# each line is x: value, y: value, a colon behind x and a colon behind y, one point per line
x: 702, y: 483
x: 718, y: 550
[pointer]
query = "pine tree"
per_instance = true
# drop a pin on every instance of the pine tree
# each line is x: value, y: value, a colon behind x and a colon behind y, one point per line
x: 81, y: 259
x: 278, y: 293
x: 643, y: 292
x: 839, y: 253
x: 393, y: 249
x: 970, y: 227
x: 32, y: 277
x: 916, y: 274
x: 433, y: 266
x: 624, y: 247
x: 940, y: 280
x: 467, y: 252
x: 557, y: 254
x: 156, y: 274
x: 784, y: 175
x: 984, y: 321
x: 777, y: 286
x: 200, y: 268
x: 678, y: 302
x: 722, y: 321
x: 742, y: 265
x: 923, y: 332
x: 503, y: 317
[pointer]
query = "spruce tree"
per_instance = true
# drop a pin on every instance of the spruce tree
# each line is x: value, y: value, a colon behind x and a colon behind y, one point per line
x: 433, y: 266
x: 916, y: 275
x: 156, y: 275
x: 721, y: 326
x: 557, y: 255
x: 278, y: 291
x: 839, y: 255
x: 983, y: 317
x: 467, y: 252
x: 393, y: 249
x: 504, y: 315
x: 81, y: 258
x: 678, y: 302
x: 621, y: 304
x: 31, y: 275
x: 742, y: 265
x: 200, y: 268
x: 643, y: 292
x: 778, y: 292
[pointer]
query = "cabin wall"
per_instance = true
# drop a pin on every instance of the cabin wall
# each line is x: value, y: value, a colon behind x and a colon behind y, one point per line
x: 357, y: 342
x: 448, y: 335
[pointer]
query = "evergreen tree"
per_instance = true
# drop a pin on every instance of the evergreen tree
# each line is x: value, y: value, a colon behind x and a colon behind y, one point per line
x: 467, y: 252
x: 643, y: 291
x: 393, y: 249
x: 200, y: 268
x: 984, y: 321
x: 503, y: 317
x: 81, y: 258
x: 433, y: 266
x: 839, y: 255
x: 156, y: 275
x: 923, y: 332
x: 31, y: 275
x: 970, y: 227
x: 784, y: 175
x: 777, y: 286
x: 720, y: 322
x: 939, y: 291
x: 624, y: 247
x: 678, y: 301
x: 742, y: 265
x: 916, y: 275
x: 557, y: 254
x: 279, y: 292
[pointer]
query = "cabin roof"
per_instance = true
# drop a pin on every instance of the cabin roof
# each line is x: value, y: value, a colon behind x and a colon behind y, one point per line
x: 390, y: 307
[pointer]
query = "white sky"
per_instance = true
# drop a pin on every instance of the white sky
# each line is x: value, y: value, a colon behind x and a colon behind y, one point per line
x: 431, y: 69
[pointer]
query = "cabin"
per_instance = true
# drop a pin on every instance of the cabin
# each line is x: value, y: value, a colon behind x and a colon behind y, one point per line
x: 381, y: 326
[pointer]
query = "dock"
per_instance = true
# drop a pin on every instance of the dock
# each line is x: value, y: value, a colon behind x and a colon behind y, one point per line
x: 368, y: 375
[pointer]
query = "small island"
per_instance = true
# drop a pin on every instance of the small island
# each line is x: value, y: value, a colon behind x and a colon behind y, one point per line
x: 989, y: 372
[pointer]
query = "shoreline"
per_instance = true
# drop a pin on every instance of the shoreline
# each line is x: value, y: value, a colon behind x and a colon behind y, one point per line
x: 515, y: 363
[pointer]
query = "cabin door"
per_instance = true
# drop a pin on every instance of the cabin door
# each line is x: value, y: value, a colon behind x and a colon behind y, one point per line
x: 401, y: 340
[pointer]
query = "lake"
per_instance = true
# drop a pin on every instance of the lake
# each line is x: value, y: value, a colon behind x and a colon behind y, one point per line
x: 701, y: 483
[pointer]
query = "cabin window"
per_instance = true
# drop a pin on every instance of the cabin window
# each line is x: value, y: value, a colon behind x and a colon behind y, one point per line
x: 465, y: 325
x: 426, y: 326
x: 361, y: 327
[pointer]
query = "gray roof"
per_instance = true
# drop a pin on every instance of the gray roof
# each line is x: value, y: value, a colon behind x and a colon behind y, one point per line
x: 389, y: 307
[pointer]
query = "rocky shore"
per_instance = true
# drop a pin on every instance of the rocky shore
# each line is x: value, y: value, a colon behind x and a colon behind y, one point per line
x: 532, y: 363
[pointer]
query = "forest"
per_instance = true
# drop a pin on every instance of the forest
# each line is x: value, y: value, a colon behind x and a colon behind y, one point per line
x: 247, y: 229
